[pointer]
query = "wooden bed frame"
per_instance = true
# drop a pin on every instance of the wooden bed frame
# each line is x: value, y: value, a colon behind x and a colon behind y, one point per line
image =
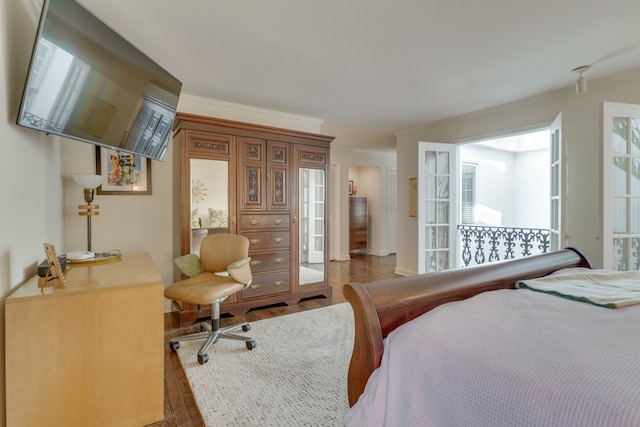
x: 380, y: 307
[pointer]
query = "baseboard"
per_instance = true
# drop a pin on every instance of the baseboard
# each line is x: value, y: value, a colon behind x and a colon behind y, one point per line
x: 403, y: 272
x: 379, y: 253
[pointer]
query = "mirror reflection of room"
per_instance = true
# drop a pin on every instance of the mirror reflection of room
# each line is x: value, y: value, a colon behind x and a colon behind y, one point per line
x: 209, y: 199
x: 312, y: 208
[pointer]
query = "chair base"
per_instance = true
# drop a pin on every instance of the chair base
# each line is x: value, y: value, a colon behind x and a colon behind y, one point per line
x: 211, y: 334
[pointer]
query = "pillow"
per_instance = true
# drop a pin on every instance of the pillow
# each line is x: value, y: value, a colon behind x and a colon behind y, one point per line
x: 189, y: 265
x: 218, y: 218
x: 195, y: 219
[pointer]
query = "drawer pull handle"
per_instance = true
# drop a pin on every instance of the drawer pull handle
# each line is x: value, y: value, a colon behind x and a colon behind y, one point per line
x: 277, y: 221
x: 278, y: 239
x: 254, y: 241
x: 255, y: 262
x: 278, y: 260
x: 255, y: 287
x: 278, y: 283
x: 254, y: 222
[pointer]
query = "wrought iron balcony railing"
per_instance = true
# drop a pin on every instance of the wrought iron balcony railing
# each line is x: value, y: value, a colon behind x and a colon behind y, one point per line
x: 482, y: 244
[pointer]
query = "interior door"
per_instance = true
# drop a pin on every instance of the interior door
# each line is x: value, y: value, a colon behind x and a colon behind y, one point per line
x: 438, y: 206
x: 621, y: 186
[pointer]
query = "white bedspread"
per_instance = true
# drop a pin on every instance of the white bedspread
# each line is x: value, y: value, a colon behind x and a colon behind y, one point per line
x: 607, y: 288
x: 508, y: 358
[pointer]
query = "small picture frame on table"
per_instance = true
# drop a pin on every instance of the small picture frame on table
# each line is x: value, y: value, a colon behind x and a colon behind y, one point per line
x: 351, y: 188
x: 54, y: 274
x: 123, y: 173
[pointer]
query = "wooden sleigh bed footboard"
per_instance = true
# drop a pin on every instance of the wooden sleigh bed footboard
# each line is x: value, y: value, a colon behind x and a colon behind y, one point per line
x: 380, y: 307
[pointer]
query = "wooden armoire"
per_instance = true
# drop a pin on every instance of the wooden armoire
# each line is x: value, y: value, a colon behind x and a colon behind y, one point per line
x: 268, y: 184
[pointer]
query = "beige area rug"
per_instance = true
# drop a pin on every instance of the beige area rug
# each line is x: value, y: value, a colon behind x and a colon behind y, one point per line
x: 296, y: 375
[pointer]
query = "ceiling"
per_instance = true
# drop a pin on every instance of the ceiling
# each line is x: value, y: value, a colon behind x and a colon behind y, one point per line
x: 370, y: 68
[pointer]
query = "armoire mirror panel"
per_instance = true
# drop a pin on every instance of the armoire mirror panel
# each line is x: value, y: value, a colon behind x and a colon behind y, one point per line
x: 209, y: 199
x: 312, y: 196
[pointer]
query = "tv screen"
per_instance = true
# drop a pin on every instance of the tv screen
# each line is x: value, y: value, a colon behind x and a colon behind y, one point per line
x: 86, y: 82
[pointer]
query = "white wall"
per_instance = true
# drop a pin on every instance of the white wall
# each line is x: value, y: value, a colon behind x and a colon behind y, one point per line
x: 531, y: 196
x: 495, y: 184
x: 512, y: 187
x: 582, y: 132
x: 31, y: 189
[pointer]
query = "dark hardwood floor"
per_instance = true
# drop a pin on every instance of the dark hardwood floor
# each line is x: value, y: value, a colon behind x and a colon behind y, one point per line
x: 180, y: 409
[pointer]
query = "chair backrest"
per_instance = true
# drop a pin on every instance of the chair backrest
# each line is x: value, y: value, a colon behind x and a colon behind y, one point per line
x: 217, y: 251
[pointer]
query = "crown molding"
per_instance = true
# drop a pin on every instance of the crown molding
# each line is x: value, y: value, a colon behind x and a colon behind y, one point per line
x: 247, y: 108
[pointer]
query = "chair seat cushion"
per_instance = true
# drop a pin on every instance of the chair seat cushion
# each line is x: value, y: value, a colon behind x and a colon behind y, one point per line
x: 205, y: 288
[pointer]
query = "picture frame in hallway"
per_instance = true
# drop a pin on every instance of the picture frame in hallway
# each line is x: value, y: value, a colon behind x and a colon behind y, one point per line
x: 351, y: 188
x: 123, y: 173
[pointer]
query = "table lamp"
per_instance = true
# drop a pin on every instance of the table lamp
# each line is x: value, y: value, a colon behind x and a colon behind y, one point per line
x: 89, y: 183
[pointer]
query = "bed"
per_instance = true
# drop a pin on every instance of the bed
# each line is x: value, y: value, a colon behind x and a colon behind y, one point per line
x: 466, y: 347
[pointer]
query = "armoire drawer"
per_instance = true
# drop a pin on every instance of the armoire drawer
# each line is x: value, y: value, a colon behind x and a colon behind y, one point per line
x: 267, y: 284
x: 267, y: 240
x: 266, y: 261
x: 249, y: 222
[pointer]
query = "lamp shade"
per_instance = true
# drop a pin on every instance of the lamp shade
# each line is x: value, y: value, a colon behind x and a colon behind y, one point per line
x: 87, y: 181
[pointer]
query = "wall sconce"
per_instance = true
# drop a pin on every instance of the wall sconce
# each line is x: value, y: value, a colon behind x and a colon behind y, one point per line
x: 89, y: 183
x: 581, y: 83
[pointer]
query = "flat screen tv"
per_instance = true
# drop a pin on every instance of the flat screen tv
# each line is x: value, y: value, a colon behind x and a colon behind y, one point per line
x: 88, y: 83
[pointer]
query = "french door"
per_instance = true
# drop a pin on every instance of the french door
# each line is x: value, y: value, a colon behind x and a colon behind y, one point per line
x: 621, y: 186
x: 557, y: 191
x: 438, y: 206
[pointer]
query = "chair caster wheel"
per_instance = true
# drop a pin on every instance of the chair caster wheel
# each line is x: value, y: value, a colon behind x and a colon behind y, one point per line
x: 250, y: 344
x: 246, y: 328
x: 203, y: 358
x: 174, y: 345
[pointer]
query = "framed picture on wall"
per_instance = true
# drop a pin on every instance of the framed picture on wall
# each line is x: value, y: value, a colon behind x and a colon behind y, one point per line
x: 413, y: 197
x: 123, y: 173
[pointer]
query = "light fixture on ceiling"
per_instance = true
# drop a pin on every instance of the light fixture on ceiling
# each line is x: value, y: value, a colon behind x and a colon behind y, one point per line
x: 581, y: 83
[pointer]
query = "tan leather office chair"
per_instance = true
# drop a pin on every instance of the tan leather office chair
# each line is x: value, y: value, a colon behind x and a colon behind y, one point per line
x: 222, y: 269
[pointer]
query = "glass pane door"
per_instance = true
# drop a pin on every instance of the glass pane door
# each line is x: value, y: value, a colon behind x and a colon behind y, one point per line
x: 621, y: 186
x: 438, y: 205
x: 557, y: 234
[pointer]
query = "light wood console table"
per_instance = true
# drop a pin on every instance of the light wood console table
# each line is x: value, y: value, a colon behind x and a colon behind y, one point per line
x: 90, y: 354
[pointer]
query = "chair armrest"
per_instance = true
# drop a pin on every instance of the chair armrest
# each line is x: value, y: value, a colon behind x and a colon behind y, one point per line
x: 189, y: 265
x: 240, y: 270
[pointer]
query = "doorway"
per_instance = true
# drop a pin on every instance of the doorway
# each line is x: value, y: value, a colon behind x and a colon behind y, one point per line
x: 491, y: 202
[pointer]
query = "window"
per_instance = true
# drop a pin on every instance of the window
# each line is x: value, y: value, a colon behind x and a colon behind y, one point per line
x: 468, y: 193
